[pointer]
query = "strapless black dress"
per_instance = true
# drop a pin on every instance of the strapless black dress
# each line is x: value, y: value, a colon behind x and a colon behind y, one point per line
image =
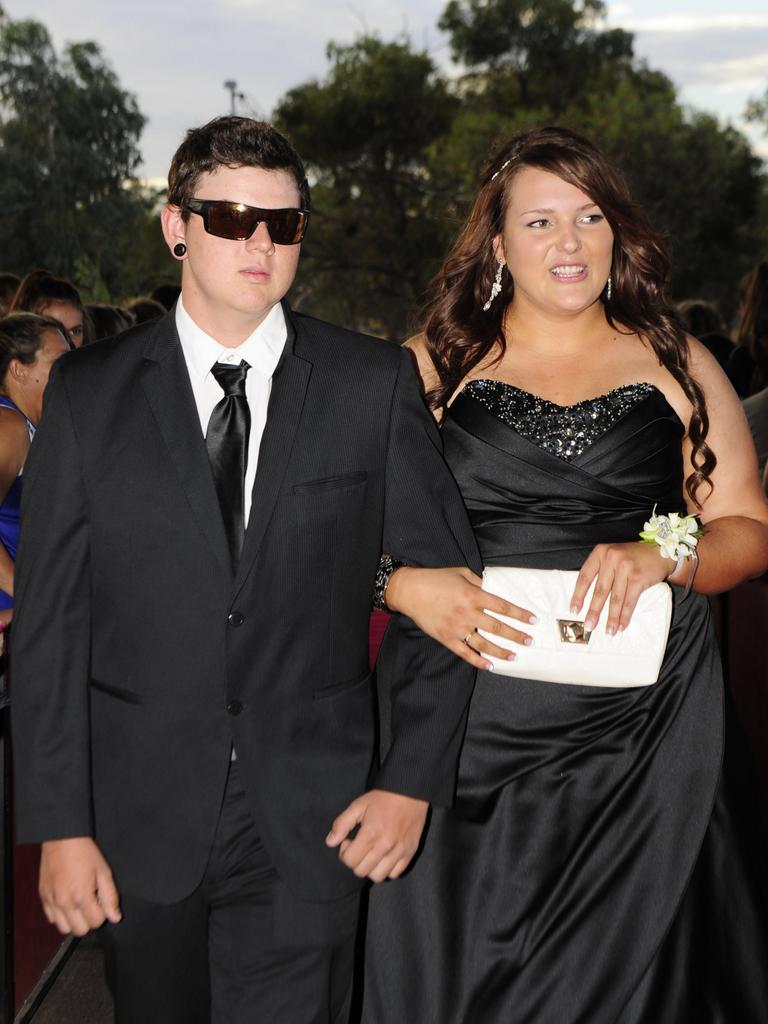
x: 600, y: 866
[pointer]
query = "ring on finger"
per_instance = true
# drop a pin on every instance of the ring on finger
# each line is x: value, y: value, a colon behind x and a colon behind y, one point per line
x: 467, y: 638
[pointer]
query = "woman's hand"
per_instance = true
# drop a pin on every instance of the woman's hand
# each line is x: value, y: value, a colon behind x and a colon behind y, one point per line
x: 450, y: 606
x: 623, y: 572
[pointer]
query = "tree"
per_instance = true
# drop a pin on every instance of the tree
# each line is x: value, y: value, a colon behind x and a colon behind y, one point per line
x: 549, y: 49
x: 375, y: 234
x: 757, y: 110
x: 394, y: 151
x: 68, y: 154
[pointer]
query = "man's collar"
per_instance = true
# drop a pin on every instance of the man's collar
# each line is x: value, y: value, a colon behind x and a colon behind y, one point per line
x: 261, y: 349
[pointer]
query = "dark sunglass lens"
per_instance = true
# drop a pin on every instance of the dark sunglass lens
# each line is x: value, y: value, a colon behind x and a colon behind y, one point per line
x: 286, y: 227
x: 231, y: 220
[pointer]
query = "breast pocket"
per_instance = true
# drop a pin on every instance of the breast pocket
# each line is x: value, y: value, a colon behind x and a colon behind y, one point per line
x: 329, y: 484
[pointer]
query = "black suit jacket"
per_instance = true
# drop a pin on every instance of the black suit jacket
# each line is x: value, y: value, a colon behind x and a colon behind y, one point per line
x: 138, y: 659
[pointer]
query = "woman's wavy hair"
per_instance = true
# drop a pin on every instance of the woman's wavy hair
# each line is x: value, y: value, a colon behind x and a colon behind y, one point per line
x: 753, y: 323
x: 460, y: 335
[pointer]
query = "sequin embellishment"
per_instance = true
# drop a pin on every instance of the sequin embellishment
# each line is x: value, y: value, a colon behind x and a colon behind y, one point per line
x: 562, y: 430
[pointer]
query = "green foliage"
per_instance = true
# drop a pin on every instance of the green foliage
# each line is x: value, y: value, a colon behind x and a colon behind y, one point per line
x: 68, y: 153
x: 550, y: 48
x: 375, y: 235
x: 394, y: 151
x: 757, y: 110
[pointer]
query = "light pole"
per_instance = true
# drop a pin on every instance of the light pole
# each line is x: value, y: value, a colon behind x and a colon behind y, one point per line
x: 234, y: 95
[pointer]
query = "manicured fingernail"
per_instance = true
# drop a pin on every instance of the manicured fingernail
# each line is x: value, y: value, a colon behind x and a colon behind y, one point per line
x: 610, y: 630
x: 528, y: 641
x: 488, y: 666
x: 532, y: 619
x: 589, y: 624
x: 574, y: 608
x: 511, y: 656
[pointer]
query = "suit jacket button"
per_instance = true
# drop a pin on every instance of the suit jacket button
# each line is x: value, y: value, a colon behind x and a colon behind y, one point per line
x: 234, y: 707
x: 235, y: 618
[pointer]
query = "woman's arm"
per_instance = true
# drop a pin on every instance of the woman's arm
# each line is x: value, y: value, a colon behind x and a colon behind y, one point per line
x: 733, y: 513
x: 449, y: 606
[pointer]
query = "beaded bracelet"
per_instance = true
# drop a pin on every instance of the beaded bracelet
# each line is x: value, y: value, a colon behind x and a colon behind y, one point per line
x: 387, y: 565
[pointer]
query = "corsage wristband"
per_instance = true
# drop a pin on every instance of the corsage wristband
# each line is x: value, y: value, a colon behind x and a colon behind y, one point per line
x: 677, y: 537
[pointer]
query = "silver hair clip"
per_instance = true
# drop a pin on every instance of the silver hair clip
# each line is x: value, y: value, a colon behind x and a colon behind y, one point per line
x: 495, y: 175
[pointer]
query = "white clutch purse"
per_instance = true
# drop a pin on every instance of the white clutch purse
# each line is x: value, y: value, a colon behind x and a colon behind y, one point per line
x: 562, y: 651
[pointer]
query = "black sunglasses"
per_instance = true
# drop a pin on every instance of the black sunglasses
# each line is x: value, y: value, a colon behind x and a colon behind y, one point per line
x: 238, y: 221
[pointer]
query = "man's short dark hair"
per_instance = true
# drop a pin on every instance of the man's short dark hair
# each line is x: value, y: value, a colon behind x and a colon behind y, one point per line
x: 231, y: 142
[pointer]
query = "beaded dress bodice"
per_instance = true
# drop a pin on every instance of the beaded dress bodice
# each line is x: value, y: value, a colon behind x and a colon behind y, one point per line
x: 563, y: 430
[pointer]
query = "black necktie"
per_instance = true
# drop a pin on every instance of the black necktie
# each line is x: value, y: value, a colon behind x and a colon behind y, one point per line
x: 227, y: 442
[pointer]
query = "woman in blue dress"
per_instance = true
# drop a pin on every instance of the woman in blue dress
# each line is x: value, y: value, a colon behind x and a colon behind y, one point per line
x: 29, y: 345
x: 602, y: 864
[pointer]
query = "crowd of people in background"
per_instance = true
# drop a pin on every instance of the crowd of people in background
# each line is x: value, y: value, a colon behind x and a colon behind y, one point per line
x: 44, y: 294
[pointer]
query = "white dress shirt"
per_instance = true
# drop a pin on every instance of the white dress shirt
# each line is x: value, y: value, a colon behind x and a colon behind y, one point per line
x: 261, y: 350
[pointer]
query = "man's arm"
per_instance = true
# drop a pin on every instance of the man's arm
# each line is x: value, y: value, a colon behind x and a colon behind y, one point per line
x: 426, y: 524
x: 429, y: 688
x: 49, y: 676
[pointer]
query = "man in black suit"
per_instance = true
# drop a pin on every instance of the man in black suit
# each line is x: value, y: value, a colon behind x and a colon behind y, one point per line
x: 204, y: 510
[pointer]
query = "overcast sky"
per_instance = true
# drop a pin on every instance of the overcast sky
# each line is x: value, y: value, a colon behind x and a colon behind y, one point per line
x: 175, y: 55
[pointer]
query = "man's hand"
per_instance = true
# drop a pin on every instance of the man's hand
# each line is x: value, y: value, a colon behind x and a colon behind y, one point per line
x: 76, y: 886
x: 390, y: 827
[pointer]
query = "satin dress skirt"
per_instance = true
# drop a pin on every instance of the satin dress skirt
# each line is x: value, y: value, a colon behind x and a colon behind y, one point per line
x: 602, y: 865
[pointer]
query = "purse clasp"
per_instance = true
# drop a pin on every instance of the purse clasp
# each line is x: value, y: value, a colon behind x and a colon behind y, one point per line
x: 572, y: 631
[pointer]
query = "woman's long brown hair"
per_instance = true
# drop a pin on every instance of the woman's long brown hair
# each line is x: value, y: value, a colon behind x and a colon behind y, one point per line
x: 460, y: 335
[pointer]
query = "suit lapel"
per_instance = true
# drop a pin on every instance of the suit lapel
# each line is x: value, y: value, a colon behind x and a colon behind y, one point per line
x: 168, y: 390
x: 286, y: 401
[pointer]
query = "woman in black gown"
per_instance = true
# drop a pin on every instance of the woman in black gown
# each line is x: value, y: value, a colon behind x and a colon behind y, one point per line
x: 592, y: 870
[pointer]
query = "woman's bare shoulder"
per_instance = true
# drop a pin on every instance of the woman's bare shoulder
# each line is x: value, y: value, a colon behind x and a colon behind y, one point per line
x: 418, y: 345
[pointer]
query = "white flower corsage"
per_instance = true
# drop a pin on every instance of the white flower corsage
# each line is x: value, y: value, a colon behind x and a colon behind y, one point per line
x: 676, y: 535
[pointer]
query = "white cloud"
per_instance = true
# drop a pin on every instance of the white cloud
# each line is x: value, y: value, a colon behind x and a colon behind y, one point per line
x: 686, y: 23
x: 742, y: 85
x: 740, y: 75
x: 339, y: 20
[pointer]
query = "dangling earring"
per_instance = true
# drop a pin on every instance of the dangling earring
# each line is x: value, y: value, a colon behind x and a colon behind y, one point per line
x: 495, y: 287
x: 179, y: 250
x: 608, y: 289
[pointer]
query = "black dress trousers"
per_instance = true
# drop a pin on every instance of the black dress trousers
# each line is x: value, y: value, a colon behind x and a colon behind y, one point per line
x: 241, y: 949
